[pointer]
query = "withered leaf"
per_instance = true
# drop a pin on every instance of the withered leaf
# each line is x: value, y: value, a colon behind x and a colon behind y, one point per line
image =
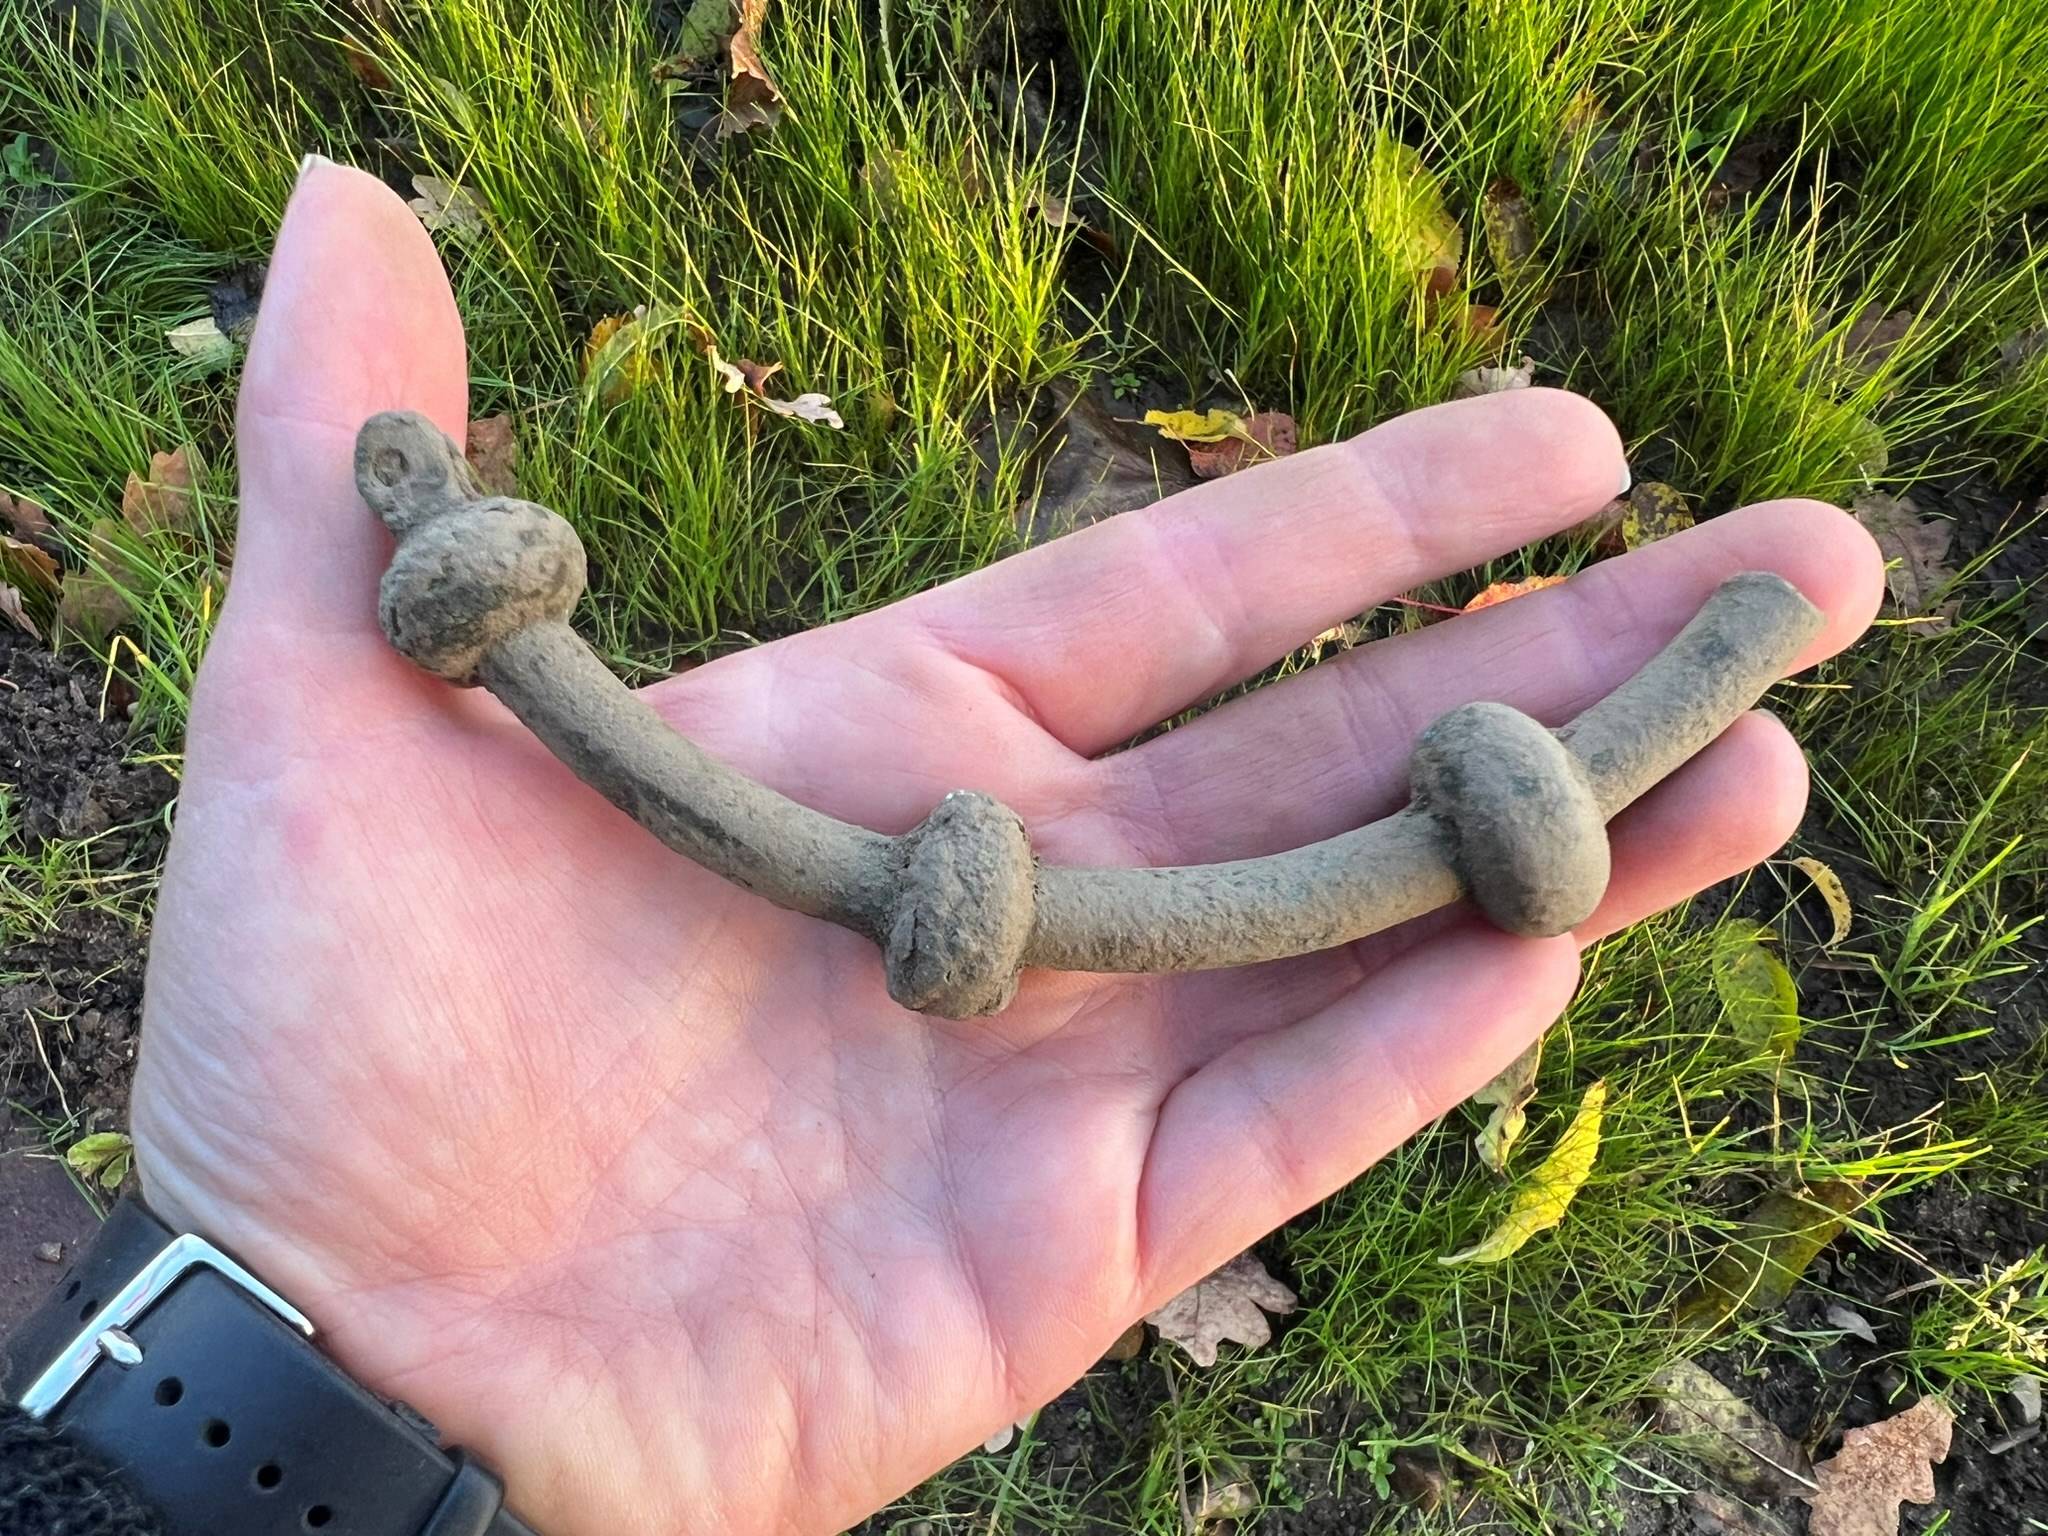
x: 1915, y: 549
x: 1832, y: 891
x: 748, y: 376
x: 1654, y: 511
x: 1542, y: 1201
x: 1128, y: 1346
x: 1872, y: 337
x: 1230, y: 1304
x: 97, y: 600
x: 1260, y: 436
x: 163, y: 502
x: 752, y: 99
x: 493, y: 452
x: 446, y: 208
x: 12, y: 610
x: 1727, y: 1433
x: 617, y: 361
x: 236, y: 298
x: 1406, y: 217
x: 1510, y: 228
x: 1502, y: 591
x: 29, y: 564
x: 202, y: 341
x: 1849, y: 1320
x: 1059, y: 213
x: 1474, y: 382
x: 1765, y: 1257
x: 1878, y: 1467
x: 707, y: 27
x: 27, y: 519
x: 1511, y: 1091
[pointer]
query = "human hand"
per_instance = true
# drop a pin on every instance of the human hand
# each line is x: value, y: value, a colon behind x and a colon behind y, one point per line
x: 643, y: 1188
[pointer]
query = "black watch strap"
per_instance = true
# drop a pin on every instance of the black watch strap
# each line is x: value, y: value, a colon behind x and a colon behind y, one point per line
x: 164, y: 1358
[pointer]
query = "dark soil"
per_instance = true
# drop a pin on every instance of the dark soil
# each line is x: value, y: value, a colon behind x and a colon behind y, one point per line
x: 71, y: 990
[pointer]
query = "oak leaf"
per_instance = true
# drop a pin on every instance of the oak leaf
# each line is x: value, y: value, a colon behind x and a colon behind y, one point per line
x: 27, y: 519
x: 162, y: 503
x: 1490, y: 380
x: 446, y: 208
x: 1915, y: 550
x: 1230, y: 1304
x: 1879, y: 1466
x: 752, y: 99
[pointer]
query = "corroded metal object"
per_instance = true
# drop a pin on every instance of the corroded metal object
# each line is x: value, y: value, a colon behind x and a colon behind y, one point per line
x: 1504, y: 811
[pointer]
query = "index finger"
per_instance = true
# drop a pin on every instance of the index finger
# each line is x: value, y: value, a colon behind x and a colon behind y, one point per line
x: 1112, y: 629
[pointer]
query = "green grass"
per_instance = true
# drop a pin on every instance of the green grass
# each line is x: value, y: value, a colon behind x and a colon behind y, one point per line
x: 1719, y: 192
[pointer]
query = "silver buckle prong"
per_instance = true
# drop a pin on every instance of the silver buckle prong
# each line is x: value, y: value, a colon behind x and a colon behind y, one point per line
x: 105, y: 1334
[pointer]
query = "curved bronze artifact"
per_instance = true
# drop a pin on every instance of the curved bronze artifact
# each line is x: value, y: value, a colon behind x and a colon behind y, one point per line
x: 1504, y: 811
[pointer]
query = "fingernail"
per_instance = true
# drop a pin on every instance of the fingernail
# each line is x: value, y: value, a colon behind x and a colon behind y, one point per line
x: 1628, y: 480
x: 310, y: 162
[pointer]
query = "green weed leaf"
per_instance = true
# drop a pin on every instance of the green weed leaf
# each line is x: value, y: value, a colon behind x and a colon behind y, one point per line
x: 105, y: 1156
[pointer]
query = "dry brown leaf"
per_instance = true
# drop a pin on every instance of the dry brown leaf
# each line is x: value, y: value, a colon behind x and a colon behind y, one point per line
x: 364, y: 66
x: 1879, y: 1466
x: 1502, y: 591
x: 1261, y: 436
x: 1872, y: 337
x: 1230, y: 1304
x: 27, y: 519
x: 1915, y: 549
x: 1510, y: 229
x: 29, y: 564
x: 1474, y: 382
x: 752, y: 99
x: 96, y: 600
x: 1727, y: 1433
x: 1511, y: 1091
x: 749, y: 376
x: 12, y: 610
x: 163, y: 502
x: 1059, y: 213
x: 1129, y: 1344
x: 493, y: 452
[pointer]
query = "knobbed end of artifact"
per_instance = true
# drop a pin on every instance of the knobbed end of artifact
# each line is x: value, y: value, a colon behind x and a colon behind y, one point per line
x: 962, y: 915
x: 470, y: 570
x: 1527, y: 837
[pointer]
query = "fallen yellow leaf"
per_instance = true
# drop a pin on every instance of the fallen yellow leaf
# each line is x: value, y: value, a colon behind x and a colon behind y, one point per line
x: 1541, y: 1204
x: 1406, y: 216
x: 1832, y: 891
x: 1196, y: 426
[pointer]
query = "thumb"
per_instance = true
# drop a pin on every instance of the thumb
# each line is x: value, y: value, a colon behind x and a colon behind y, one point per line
x: 356, y: 318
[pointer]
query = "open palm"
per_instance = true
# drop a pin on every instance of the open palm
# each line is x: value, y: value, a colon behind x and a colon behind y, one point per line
x: 644, y: 1188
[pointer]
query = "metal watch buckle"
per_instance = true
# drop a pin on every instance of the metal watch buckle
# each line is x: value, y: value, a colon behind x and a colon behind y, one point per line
x: 106, y: 1335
